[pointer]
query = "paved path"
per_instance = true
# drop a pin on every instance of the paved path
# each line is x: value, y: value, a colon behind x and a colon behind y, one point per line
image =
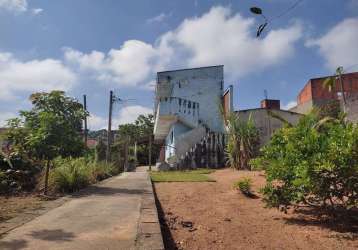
x: 103, y: 216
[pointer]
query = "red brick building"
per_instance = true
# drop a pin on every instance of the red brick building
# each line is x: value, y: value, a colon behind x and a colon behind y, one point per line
x: 314, y: 94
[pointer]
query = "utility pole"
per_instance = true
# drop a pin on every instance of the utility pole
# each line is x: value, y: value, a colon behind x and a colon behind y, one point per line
x: 150, y: 152
x: 85, y: 108
x: 135, y: 152
x: 109, y: 130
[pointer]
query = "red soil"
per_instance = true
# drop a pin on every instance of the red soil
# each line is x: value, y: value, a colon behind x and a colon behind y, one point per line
x: 223, y: 218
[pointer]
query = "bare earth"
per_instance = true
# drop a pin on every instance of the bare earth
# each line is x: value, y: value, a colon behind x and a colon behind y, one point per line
x: 222, y: 218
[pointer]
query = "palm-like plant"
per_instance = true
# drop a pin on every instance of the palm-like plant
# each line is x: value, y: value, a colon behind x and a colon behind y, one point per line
x: 331, y: 82
x: 242, y: 144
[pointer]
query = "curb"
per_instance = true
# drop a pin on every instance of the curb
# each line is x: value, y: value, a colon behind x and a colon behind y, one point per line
x: 149, y: 235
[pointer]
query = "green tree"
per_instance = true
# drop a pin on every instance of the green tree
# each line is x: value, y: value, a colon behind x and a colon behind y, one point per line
x: 139, y: 131
x: 314, y: 162
x: 51, y: 128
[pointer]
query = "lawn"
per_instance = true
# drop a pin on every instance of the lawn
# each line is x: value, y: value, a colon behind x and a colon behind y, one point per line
x: 198, y: 175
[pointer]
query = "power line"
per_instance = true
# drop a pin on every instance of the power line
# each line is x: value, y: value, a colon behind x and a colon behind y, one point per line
x: 293, y: 6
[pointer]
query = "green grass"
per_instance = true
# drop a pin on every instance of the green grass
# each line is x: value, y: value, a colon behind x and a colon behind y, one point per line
x: 198, y: 175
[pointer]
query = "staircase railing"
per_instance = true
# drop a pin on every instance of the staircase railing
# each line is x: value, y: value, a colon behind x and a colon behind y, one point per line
x: 209, y: 152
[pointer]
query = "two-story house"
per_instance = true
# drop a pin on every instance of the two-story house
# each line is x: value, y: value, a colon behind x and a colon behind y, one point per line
x: 187, y: 105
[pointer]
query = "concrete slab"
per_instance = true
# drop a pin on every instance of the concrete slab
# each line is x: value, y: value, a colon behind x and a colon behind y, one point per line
x: 104, y: 216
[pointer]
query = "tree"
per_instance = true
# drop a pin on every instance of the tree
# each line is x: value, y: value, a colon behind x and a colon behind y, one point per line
x: 314, y: 162
x: 243, y: 141
x: 51, y: 128
x: 139, y: 131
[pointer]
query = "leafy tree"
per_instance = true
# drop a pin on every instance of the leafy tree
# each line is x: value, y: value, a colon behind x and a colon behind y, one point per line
x: 243, y: 141
x: 51, y: 128
x: 139, y: 131
x: 315, y: 162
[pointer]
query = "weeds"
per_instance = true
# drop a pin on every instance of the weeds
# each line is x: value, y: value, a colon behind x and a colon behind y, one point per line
x: 244, y: 185
x: 71, y: 174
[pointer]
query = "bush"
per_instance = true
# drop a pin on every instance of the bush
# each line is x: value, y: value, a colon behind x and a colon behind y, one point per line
x: 16, y: 173
x: 244, y: 185
x: 315, y: 162
x: 101, y: 170
x: 71, y: 174
x: 242, y: 142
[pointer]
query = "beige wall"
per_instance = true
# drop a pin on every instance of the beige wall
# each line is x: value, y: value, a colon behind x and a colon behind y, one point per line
x: 266, y: 124
x: 352, y: 107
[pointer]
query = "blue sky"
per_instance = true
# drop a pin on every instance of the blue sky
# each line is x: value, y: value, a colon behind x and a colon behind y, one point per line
x: 92, y: 46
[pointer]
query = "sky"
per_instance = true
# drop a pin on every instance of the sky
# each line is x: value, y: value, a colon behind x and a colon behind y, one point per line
x: 94, y: 46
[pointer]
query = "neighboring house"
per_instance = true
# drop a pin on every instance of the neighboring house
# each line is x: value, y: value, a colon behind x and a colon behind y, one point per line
x: 264, y: 118
x: 187, y: 107
x: 92, y: 143
x: 314, y: 94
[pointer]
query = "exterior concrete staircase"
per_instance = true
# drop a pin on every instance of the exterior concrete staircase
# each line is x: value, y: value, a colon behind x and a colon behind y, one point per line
x: 201, y: 148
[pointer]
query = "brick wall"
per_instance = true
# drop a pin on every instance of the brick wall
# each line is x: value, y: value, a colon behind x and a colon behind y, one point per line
x: 305, y: 94
x: 314, y: 89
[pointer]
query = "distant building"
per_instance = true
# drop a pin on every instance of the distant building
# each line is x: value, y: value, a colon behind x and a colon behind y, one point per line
x: 314, y: 94
x: 187, y: 106
x: 265, y: 121
x: 92, y: 143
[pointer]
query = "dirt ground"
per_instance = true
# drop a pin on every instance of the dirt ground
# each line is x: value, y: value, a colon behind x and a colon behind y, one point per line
x: 14, y: 205
x: 212, y: 215
x: 17, y: 210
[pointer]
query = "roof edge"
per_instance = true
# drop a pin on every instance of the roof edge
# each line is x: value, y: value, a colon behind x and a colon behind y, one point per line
x: 204, y: 67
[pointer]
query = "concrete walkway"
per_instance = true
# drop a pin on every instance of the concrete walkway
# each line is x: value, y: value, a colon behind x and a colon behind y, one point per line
x: 104, y: 216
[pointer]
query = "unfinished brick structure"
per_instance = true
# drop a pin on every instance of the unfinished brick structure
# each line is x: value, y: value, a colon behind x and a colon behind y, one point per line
x: 314, y: 94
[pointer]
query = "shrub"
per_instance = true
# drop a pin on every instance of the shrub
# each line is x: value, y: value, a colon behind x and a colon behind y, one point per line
x: 101, y: 170
x: 242, y: 141
x: 315, y: 162
x: 244, y: 185
x: 72, y: 174
x: 69, y: 174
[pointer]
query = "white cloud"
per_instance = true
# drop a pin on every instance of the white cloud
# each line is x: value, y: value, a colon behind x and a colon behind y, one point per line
x: 339, y: 45
x: 4, y: 116
x: 34, y: 75
x: 129, y: 114
x: 217, y: 37
x: 96, y: 122
x: 289, y: 105
x: 129, y: 65
x: 37, y: 11
x: 223, y: 38
x: 18, y: 6
x: 159, y: 18
x: 14, y: 5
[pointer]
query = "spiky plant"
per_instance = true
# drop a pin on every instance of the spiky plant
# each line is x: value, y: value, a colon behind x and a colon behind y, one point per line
x: 242, y: 143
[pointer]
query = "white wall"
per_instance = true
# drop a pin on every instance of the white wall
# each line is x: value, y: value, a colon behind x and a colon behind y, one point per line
x: 171, y: 140
x: 202, y: 85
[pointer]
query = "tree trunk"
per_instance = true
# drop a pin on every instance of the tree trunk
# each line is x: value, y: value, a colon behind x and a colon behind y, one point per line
x: 46, y: 176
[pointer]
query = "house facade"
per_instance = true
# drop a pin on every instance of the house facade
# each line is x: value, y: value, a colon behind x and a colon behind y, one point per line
x: 264, y: 118
x: 314, y: 94
x: 187, y: 106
